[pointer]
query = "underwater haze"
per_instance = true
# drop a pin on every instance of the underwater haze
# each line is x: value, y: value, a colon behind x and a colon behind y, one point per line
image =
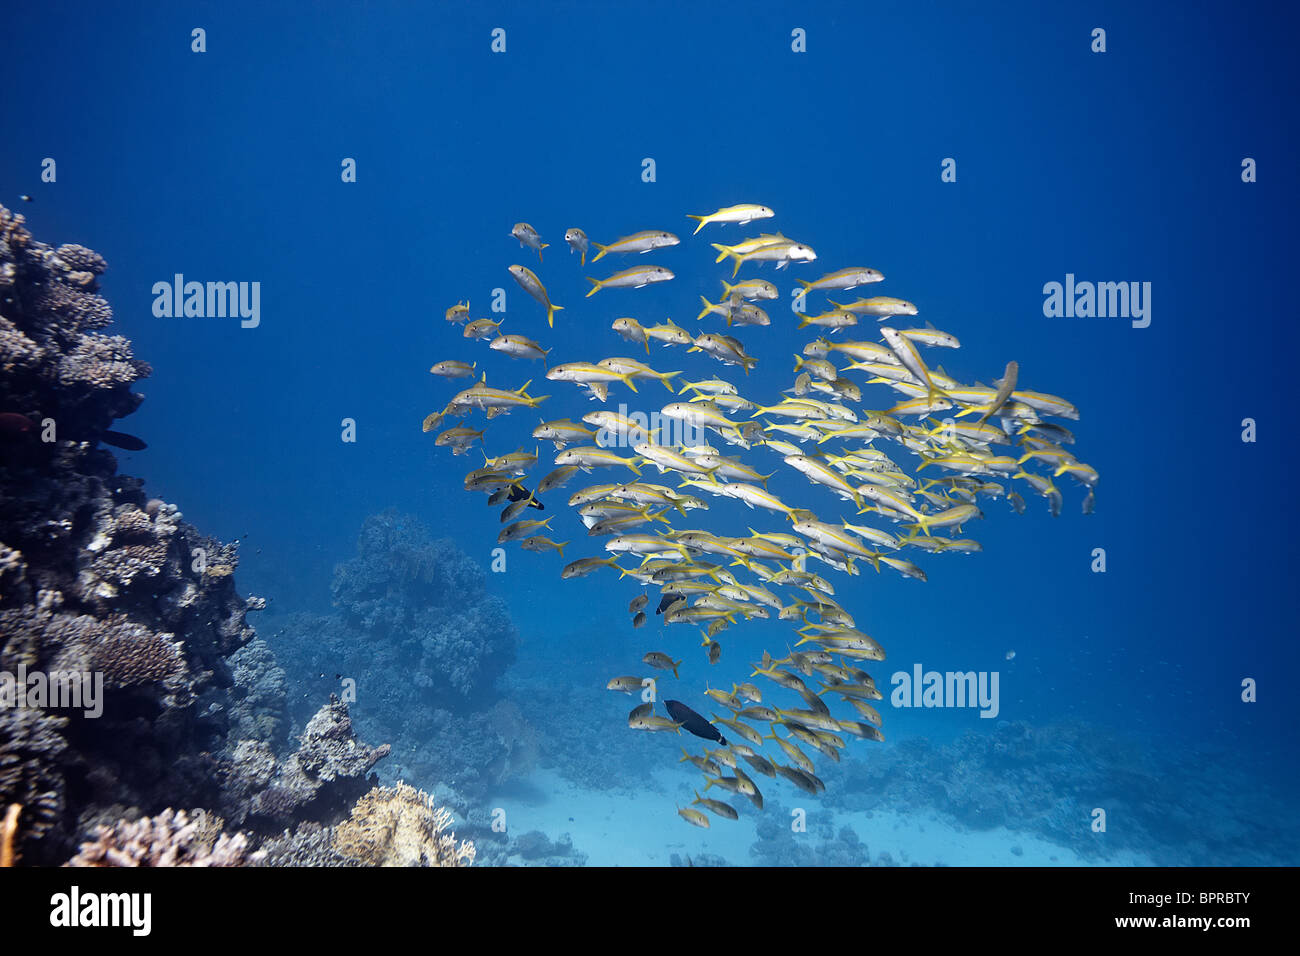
x: 364, y: 165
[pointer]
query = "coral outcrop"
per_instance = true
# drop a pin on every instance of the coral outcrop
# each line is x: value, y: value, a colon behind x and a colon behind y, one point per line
x: 426, y: 598
x: 326, y: 775
x: 425, y: 643
x: 400, y: 826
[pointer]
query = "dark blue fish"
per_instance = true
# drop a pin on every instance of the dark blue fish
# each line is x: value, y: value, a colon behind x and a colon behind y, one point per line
x: 122, y: 440
x: 693, y: 722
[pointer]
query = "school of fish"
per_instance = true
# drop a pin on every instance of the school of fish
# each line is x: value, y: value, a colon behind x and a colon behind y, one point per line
x: 902, y: 478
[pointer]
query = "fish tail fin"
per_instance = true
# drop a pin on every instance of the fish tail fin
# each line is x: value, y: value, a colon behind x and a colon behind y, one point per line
x: 723, y: 252
x: 627, y: 380
x: 550, y: 313
x: 646, y: 343
x: 664, y: 377
x: 676, y: 664
x: 803, y: 323
x: 632, y: 463
x: 560, y: 547
x: 603, y: 250
x: 702, y: 220
x: 807, y: 286
x: 708, y: 307
x: 596, y: 285
x: 798, y: 361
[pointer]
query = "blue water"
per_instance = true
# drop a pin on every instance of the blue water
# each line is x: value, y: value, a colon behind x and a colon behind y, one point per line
x: 1115, y: 166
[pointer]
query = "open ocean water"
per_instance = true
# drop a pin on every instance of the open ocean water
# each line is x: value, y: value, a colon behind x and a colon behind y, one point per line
x: 363, y: 166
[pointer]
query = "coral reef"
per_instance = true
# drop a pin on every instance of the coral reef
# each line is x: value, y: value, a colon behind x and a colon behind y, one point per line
x: 429, y: 600
x: 327, y: 774
x: 310, y: 844
x: 821, y: 845
x: 1047, y: 780
x: 535, y: 848
x: 257, y: 710
x: 98, y: 578
x: 425, y: 644
x: 57, y: 364
x: 400, y: 826
x: 699, y: 859
x: 172, y: 838
x: 565, y: 710
x: 101, y: 580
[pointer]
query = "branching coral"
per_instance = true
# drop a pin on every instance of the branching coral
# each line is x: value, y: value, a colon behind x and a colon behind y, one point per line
x: 401, y: 826
x: 172, y: 838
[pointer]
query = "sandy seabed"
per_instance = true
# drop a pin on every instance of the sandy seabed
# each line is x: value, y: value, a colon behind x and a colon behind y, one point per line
x: 629, y: 827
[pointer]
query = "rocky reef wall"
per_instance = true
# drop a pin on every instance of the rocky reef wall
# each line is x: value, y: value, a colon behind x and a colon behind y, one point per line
x: 99, y: 579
